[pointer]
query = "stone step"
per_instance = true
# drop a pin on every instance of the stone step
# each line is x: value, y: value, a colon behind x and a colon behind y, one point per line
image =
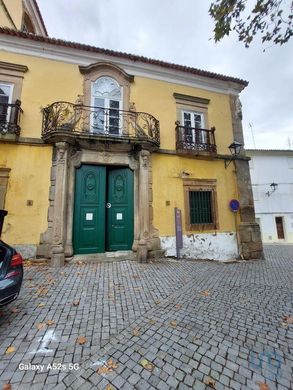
x: 104, y: 257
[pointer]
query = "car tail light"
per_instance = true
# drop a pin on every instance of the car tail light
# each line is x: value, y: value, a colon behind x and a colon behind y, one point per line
x: 16, y: 260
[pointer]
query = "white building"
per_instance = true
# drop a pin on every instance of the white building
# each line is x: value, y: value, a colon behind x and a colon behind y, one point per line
x: 272, y: 183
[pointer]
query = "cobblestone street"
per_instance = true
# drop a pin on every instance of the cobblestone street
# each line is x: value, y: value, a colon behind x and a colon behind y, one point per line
x: 164, y: 325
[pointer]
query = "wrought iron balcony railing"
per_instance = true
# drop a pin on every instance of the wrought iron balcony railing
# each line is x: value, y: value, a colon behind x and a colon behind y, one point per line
x: 81, y: 120
x: 10, y: 115
x: 195, y: 140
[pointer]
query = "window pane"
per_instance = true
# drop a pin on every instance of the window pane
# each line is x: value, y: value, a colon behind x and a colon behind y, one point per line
x: 3, y: 108
x: 200, y: 204
x: 106, y: 87
x: 114, y: 104
x: 186, y: 119
x: 197, y: 121
x: 5, y: 90
x: 98, y: 102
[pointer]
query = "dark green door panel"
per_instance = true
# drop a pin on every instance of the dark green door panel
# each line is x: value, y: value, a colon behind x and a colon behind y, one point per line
x: 89, y: 210
x: 119, y: 213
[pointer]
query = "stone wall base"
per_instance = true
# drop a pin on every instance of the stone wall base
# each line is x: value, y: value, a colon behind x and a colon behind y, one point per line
x: 250, y: 241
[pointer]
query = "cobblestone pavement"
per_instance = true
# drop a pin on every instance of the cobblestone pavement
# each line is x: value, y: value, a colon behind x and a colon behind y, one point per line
x: 165, y: 325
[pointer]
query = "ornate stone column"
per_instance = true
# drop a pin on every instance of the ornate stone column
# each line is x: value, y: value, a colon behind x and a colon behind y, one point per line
x: 59, y: 215
x: 249, y: 230
x: 144, y: 212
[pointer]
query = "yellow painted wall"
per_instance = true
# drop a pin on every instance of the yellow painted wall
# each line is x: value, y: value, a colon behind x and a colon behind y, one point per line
x: 168, y: 186
x: 46, y: 81
x: 14, y: 7
x: 29, y: 180
x: 156, y: 97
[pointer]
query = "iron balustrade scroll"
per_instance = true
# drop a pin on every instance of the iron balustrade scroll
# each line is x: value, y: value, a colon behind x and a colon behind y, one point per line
x: 195, y: 140
x: 79, y: 119
x: 10, y: 115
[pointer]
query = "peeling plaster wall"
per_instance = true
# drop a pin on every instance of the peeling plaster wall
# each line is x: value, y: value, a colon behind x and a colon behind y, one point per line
x: 211, y: 246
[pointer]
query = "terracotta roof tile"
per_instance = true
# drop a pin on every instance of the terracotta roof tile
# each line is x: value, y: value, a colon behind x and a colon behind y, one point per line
x: 132, y: 57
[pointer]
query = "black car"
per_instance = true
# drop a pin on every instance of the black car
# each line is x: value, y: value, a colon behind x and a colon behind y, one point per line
x: 11, y: 273
x: 11, y: 270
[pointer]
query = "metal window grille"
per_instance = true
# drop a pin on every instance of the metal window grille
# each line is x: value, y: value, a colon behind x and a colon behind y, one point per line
x: 201, y: 207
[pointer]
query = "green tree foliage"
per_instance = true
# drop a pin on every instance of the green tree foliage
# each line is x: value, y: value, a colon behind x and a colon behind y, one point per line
x: 272, y: 20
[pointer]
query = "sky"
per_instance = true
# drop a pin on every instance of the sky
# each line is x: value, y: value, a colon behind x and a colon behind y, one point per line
x: 181, y: 32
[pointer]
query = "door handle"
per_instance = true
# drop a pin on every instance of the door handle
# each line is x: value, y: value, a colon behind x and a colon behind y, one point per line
x: 108, y: 205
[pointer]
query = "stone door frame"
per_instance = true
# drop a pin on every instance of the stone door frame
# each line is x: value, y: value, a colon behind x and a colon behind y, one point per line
x: 103, y: 159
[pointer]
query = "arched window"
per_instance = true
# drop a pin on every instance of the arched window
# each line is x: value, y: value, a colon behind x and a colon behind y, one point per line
x: 106, y: 97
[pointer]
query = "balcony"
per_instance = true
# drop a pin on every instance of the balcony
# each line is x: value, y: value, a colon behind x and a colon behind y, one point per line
x: 65, y: 121
x: 10, y: 115
x: 195, y: 141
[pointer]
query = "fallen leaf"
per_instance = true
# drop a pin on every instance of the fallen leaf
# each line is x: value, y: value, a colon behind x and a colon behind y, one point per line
x: 41, y: 304
x: 81, y: 340
x: 50, y: 322
x: 15, y: 310
x: 109, y: 387
x: 29, y: 278
x: 173, y: 323
x: 41, y: 325
x: 263, y: 386
x: 102, y: 370
x: 42, y: 291
x: 109, y: 366
x: 288, y: 319
x: 136, y: 332
x: 10, y: 350
x: 152, y: 322
x: 157, y: 302
x: 7, y: 386
x: 147, y: 365
x: 205, y: 293
x: 75, y: 303
x: 210, y: 382
x: 135, y: 276
x: 178, y: 306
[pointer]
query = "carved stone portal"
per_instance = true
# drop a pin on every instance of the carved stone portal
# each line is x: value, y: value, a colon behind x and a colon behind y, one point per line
x: 56, y: 242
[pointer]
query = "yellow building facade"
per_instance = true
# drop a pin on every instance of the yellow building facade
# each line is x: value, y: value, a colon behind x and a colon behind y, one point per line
x: 98, y: 149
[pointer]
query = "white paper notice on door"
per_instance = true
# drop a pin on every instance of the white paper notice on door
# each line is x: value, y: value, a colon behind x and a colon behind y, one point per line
x: 119, y: 216
x: 89, y: 216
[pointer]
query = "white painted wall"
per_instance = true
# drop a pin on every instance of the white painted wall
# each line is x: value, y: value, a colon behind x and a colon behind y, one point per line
x: 206, y: 246
x: 267, y: 167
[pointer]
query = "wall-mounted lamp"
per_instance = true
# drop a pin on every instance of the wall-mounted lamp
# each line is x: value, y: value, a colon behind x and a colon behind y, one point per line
x: 273, y: 186
x: 235, y: 149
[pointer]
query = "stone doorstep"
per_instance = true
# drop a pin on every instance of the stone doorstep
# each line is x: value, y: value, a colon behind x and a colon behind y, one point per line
x: 104, y: 257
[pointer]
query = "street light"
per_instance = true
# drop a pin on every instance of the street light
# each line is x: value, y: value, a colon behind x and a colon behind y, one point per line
x: 235, y: 149
x: 273, y: 186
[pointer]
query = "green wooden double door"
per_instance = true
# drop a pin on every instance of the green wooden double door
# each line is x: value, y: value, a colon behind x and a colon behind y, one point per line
x: 103, y: 209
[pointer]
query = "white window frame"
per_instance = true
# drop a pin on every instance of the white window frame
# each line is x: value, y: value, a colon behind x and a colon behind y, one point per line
x: 3, y: 84
x: 106, y: 104
x: 203, y: 134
